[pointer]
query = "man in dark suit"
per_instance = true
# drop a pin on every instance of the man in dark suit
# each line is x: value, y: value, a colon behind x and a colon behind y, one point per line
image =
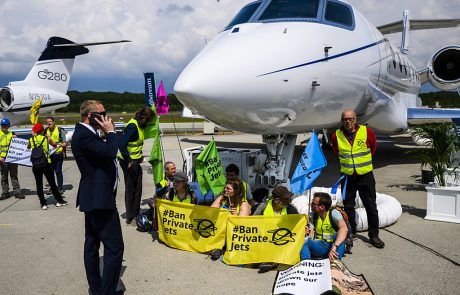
x: 96, y: 196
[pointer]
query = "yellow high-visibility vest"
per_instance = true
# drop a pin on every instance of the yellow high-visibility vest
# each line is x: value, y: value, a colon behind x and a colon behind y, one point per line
x: 5, y: 142
x: 56, y: 137
x: 324, y: 229
x: 357, y: 157
x: 135, y: 147
x: 270, y: 212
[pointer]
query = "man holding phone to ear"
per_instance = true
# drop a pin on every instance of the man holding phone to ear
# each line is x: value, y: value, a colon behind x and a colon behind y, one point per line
x: 96, y: 195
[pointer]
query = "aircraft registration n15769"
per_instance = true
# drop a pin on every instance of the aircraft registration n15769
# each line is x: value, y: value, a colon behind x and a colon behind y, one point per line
x: 283, y: 67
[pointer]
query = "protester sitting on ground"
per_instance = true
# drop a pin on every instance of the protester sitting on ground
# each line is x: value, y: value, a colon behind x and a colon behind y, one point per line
x: 330, y: 230
x: 232, y: 199
x: 181, y: 192
x: 232, y: 171
x: 278, y: 204
x: 36, y: 141
x: 167, y: 182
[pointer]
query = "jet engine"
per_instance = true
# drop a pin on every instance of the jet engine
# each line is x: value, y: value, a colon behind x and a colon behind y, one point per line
x: 6, y: 99
x: 444, y: 68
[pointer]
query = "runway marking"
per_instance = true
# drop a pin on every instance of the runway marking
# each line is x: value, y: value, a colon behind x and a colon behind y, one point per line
x: 5, y: 224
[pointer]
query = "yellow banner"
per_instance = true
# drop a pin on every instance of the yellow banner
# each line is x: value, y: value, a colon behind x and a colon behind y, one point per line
x: 257, y: 239
x: 34, y: 111
x: 192, y: 228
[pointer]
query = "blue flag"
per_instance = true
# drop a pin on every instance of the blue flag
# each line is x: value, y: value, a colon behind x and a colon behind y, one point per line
x: 310, y: 165
x: 150, y: 97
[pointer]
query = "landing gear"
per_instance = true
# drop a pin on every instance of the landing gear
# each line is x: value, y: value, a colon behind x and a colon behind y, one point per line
x: 280, y: 151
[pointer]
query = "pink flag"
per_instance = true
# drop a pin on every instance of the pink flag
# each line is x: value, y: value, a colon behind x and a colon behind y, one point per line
x: 162, y: 103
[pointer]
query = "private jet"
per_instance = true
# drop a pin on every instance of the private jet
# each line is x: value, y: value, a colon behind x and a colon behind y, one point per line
x: 47, y: 80
x: 284, y: 67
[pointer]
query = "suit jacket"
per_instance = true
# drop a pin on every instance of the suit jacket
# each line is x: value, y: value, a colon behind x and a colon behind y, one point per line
x: 96, y: 161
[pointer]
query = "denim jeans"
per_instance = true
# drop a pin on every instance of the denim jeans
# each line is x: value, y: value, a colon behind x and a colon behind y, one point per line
x: 319, y: 249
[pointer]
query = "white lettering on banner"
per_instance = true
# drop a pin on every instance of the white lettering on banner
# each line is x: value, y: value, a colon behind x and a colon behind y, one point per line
x: 306, y: 277
x: 18, y: 153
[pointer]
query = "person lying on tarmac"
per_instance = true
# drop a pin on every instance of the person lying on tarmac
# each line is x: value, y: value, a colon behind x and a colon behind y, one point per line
x: 231, y: 199
x: 181, y: 192
x: 278, y: 204
x: 327, y: 241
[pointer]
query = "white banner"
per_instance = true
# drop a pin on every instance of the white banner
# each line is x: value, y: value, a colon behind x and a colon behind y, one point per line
x: 306, y: 277
x: 18, y: 152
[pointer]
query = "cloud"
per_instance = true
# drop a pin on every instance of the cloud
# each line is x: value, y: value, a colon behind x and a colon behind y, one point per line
x: 166, y: 34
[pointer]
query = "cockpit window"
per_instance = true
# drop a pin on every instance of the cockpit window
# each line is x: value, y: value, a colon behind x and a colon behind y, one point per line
x: 291, y: 9
x: 244, y: 15
x: 339, y: 13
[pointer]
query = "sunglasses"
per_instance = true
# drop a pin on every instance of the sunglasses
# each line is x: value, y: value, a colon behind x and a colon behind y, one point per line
x: 99, y: 114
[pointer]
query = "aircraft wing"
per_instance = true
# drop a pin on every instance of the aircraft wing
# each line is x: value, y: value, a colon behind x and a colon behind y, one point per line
x: 431, y: 113
x: 397, y: 27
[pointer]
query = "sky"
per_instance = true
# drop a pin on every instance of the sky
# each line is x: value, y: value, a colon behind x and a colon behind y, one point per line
x: 166, y: 35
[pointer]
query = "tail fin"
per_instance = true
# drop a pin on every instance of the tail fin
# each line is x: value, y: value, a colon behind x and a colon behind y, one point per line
x: 54, y: 66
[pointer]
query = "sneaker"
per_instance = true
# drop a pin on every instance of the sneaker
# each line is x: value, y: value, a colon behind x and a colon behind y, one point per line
x: 62, y: 203
x: 19, y: 196
x: 44, y: 207
x: 265, y: 267
x: 377, y: 242
x: 215, y: 254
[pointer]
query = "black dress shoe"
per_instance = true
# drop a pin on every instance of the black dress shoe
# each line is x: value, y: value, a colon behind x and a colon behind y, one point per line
x: 377, y: 242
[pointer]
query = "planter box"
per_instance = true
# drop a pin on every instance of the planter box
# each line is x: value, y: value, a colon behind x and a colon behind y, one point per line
x: 443, y: 203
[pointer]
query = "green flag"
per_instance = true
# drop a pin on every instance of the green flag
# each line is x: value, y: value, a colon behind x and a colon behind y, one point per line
x: 208, y: 167
x: 156, y: 155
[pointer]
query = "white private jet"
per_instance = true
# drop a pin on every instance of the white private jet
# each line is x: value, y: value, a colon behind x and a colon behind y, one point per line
x: 47, y: 80
x: 282, y: 67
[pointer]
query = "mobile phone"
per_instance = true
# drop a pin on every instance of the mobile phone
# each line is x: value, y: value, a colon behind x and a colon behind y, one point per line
x: 92, y: 117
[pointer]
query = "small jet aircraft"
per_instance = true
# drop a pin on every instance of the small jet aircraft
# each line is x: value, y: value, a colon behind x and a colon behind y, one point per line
x: 47, y: 80
x: 283, y: 67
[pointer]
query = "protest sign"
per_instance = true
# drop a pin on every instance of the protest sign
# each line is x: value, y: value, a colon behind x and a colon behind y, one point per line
x: 18, y: 153
x: 209, y: 172
x: 257, y: 239
x: 306, y: 277
x: 192, y: 228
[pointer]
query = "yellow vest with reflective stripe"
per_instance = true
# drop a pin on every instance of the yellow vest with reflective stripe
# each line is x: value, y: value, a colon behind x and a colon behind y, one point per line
x: 270, y: 212
x: 324, y: 229
x: 187, y: 200
x: 56, y: 137
x: 357, y: 157
x: 135, y: 147
x: 37, y: 139
x: 5, y: 142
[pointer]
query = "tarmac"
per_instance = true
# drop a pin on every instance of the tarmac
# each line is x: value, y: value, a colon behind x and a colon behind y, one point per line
x: 42, y: 251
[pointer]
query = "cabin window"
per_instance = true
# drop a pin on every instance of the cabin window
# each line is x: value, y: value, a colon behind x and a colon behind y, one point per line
x: 244, y: 14
x: 339, y: 13
x: 285, y: 9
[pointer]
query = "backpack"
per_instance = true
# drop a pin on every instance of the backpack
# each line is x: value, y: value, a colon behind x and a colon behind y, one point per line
x: 38, y: 157
x: 349, y: 238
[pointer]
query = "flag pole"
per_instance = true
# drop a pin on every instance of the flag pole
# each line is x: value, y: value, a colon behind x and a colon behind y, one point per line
x: 161, y: 141
x: 178, y: 141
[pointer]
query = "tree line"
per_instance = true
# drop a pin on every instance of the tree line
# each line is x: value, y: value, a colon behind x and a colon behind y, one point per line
x: 115, y: 101
x: 131, y: 102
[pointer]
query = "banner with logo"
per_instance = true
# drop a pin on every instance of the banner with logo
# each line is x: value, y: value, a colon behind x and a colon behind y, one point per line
x: 192, y: 228
x: 149, y: 91
x: 306, y: 277
x: 257, y: 239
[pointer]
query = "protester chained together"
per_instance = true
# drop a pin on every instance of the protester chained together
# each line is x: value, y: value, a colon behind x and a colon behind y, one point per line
x: 131, y: 157
x: 57, y: 135
x: 355, y: 145
x: 8, y: 168
x: 41, y: 165
x: 96, y: 197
